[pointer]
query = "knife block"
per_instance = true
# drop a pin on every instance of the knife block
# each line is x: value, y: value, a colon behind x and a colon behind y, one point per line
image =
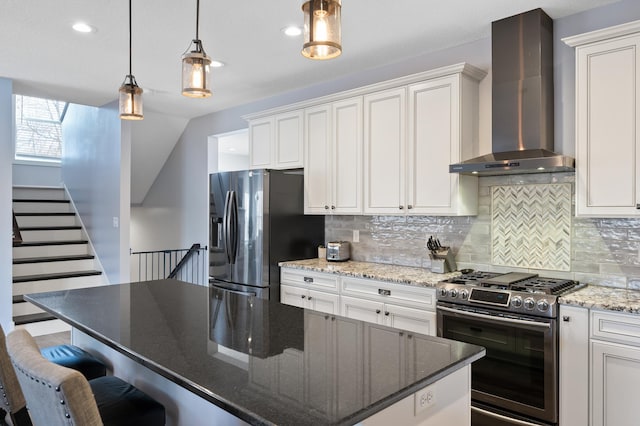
x: 442, y: 260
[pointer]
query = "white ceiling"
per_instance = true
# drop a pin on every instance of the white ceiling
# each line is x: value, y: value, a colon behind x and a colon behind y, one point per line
x: 45, y: 57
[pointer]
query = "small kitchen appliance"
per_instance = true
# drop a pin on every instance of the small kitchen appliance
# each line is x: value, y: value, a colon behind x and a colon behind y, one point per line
x: 338, y: 251
x: 514, y: 316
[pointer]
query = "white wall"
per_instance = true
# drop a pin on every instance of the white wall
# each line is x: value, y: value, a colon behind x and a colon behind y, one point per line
x: 96, y: 165
x: 37, y: 174
x: 6, y: 224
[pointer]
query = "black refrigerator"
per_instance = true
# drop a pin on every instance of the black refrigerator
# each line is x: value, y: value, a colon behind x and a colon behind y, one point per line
x: 257, y: 220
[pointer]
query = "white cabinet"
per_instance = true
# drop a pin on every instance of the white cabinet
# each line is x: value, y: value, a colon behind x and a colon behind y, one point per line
x: 615, y: 368
x: 310, y: 290
x: 608, y: 122
x: 394, y: 305
x: 574, y: 365
x: 384, y: 151
x: 411, y: 136
x: 333, y: 158
x: 277, y: 141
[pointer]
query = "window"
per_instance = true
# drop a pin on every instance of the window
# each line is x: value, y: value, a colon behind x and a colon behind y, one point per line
x: 38, y: 129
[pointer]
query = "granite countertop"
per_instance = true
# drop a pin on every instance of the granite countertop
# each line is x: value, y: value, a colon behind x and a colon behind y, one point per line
x: 606, y: 298
x: 377, y: 271
x: 227, y: 348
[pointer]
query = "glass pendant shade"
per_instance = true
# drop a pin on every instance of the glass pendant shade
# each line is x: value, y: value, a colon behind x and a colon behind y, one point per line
x: 130, y: 99
x: 322, y: 33
x: 196, y: 75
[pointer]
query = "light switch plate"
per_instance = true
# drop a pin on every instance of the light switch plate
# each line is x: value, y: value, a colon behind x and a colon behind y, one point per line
x: 356, y: 236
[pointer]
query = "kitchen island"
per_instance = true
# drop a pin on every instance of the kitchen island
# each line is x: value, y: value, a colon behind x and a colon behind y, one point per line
x: 216, y: 357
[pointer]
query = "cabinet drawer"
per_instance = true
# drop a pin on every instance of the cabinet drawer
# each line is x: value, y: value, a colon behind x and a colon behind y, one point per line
x: 315, y: 280
x: 615, y: 327
x: 405, y: 295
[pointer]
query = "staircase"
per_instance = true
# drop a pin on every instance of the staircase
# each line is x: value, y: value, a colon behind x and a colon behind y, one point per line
x: 54, y: 254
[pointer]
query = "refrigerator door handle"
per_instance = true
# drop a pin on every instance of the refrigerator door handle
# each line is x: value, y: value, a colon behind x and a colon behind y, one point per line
x: 233, y: 210
x: 225, y: 227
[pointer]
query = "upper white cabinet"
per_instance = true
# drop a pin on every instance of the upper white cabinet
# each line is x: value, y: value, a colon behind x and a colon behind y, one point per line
x: 411, y: 135
x: 333, y: 158
x: 277, y: 141
x: 608, y: 121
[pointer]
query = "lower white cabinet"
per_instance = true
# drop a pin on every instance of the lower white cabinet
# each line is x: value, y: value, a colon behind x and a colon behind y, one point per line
x: 310, y: 299
x: 574, y: 365
x: 615, y: 375
x: 401, y: 317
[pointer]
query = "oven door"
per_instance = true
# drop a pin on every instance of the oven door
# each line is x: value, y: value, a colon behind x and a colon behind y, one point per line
x: 519, y: 371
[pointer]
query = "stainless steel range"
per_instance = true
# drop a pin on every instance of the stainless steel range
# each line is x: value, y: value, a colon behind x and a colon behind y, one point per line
x: 514, y: 316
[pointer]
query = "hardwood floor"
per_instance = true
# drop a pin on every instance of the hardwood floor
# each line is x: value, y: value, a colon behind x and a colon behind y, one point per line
x: 63, y: 338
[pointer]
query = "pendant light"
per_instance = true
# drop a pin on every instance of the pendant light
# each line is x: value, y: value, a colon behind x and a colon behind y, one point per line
x: 130, y: 93
x: 322, y: 33
x: 196, y: 78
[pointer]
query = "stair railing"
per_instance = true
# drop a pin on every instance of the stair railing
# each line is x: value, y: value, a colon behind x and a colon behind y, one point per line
x: 17, y: 237
x: 182, y: 264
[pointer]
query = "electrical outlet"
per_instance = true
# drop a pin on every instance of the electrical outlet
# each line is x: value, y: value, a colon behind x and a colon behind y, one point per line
x: 356, y: 236
x: 424, y: 399
x: 116, y: 222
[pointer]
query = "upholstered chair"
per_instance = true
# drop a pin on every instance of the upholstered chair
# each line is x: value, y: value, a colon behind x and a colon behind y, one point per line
x: 11, y: 398
x: 59, y: 396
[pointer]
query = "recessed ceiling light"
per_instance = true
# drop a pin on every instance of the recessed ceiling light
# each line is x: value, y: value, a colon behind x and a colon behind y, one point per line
x: 216, y: 64
x: 292, y: 31
x: 81, y: 27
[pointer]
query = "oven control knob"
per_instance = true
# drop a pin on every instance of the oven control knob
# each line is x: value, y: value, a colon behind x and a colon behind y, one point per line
x: 464, y: 294
x: 516, y: 302
x: 443, y: 292
x: 453, y: 293
x: 543, y: 305
x: 529, y: 303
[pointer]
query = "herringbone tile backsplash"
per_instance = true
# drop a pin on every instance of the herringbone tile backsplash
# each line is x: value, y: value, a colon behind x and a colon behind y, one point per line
x: 598, y: 251
x: 531, y: 226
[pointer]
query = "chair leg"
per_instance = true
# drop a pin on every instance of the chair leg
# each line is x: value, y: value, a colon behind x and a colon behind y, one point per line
x: 21, y: 418
x: 3, y: 415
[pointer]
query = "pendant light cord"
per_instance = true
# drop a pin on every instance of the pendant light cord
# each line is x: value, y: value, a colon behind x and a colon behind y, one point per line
x: 130, y: 37
x: 197, y: 18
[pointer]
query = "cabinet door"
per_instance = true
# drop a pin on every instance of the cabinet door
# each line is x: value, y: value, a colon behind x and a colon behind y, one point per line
x: 349, y: 368
x: 289, y: 140
x: 347, y: 157
x: 317, y: 166
x: 318, y: 353
x: 324, y: 302
x: 574, y: 366
x: 364, y: 310
x: 433, y: 144
x: 293, y: 296
x: 260, y: 141
x: 614, y: 389
x: 607, y: 128
x: 415, y: 320
x: 384, y: 156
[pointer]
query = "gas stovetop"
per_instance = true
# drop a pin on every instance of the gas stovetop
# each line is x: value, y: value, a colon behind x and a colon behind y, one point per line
x: 517, y: 292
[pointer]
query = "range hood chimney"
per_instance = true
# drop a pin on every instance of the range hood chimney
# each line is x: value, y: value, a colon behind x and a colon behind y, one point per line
x: 522, y: 100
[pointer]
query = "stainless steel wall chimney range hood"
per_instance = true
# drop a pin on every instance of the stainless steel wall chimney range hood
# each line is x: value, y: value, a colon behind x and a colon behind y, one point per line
x: 522, y: 100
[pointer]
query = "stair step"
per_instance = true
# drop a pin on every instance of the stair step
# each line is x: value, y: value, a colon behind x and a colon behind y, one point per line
x: 45, y: 214
x: 25, y: 308
x: 46, y: 327
x: 46, y: 220
x: 37, y: 192
x: 63, y: 234
x: 59, y: 284
x: 41, y: 206
x: 54, y: 276
x: 52, y: 259
x: 40, y: 200
x: 31, y: 318
x: 52, y: 243
x: 52, y: 267
x: 49, y: 228
x: 48, y: 250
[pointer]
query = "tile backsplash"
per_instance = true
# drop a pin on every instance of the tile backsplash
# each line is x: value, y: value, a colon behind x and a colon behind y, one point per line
x: 602, y: 251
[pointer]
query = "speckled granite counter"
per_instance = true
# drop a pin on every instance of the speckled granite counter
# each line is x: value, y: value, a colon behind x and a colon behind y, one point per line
x: 278, y: 375
x: 606, y: 298
x: 375, y: 271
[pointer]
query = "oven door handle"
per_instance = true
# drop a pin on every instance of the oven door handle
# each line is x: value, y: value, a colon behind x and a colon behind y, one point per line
x: 495, y: 318
x: 509, y: 420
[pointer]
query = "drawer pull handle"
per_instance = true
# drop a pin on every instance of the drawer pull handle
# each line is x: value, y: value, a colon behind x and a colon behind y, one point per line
x: 308, y: 279
x: 303, y: 296
x: 378, y: 311
x: 401, y: 207
x: 566, y: 318
x: 384, y: 292
x: 309, y: 298
x: 637, y: 206
x: 387, y: 314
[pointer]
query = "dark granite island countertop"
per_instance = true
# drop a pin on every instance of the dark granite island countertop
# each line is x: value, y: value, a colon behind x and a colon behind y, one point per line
x: 261, y: 361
